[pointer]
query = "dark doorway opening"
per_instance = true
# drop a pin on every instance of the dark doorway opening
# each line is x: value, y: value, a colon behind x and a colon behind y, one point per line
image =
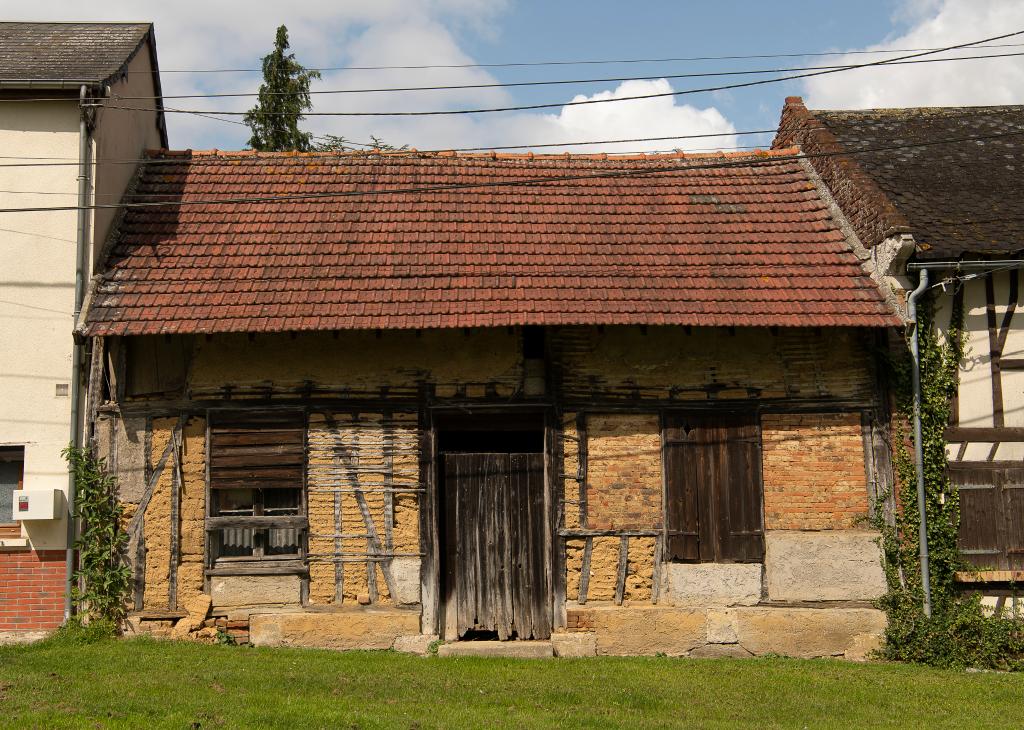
x: 493, y: 527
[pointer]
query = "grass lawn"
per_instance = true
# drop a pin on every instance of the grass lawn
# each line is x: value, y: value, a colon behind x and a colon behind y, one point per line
x: 143, y: 683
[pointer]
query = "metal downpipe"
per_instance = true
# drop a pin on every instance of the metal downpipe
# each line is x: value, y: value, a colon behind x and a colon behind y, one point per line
x: 918, y: 446
x: 81, y: 262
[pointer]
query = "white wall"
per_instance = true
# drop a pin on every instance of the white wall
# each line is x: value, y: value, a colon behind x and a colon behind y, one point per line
x: 122, y: 135
x: 37, y: 264
x: 37, y: 275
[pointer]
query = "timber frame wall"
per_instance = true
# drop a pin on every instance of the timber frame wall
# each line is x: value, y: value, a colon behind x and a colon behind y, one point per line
x: 813, y: 380
x: 986, y: 430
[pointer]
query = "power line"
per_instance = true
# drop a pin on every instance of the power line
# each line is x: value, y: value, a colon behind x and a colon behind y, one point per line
x: 555, y: 82
x: 752, y: 161
x: 530, y: 107
x: 51, y: 161
x: 329, y: 154
x: 605, y: 62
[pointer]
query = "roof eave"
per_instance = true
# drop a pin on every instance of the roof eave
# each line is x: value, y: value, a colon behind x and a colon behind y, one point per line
x: 47, y: 84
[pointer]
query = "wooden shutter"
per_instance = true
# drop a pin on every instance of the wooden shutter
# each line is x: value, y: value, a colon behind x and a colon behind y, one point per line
x: 257, y: 451
x: 741, y: 494
x: 991, y: 513
x: 683, y: 457
x: 715, y: 497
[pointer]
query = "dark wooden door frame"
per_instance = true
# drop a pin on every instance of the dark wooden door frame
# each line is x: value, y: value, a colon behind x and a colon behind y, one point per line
x: 431, y: 563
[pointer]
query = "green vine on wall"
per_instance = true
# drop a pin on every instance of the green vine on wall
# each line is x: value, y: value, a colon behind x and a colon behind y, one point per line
x: 103, y: 580
x: 959, y: 633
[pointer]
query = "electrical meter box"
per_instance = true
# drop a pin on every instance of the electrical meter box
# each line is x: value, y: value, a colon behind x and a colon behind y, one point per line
x: 38, y: 504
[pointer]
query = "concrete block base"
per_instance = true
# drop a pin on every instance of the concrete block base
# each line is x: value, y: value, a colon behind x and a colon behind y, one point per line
x: 508, y: 649
x: 574, y: 644
x: 415, y: 643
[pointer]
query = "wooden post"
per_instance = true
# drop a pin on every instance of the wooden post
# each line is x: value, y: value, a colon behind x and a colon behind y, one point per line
x: 588, y: 548
x: 175, y: 548
x: 620, y: 580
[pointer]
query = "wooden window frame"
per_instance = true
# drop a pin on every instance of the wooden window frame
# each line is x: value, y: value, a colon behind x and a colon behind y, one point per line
x: 258, y: 562
x: 12, y: 527
x: 694, y: 533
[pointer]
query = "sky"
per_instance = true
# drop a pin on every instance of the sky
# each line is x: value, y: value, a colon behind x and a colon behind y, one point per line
x: 200, y: 36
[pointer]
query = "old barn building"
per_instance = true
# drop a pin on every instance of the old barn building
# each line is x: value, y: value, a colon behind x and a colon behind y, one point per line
x: 625, y: 404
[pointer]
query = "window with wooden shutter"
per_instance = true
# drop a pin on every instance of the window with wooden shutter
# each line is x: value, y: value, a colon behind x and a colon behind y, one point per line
x: 257, y: 476
x: 714, y: 509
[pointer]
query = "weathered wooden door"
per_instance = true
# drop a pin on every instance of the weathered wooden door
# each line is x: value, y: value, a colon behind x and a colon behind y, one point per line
x: 495, y: 574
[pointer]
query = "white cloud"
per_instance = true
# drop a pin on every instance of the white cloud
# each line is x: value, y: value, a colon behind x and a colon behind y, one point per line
x: 331, y: 33
x: 657, y: 117
x: 934, y: 24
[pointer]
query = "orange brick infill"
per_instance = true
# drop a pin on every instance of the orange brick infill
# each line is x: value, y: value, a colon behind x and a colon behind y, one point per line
x: 623, y: 471
x: 814, y: 474
x: 31, y: 590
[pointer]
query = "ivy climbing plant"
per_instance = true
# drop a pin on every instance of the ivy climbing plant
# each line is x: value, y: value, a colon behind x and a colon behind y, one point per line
x: 959, y: 633
x: 103, y: 579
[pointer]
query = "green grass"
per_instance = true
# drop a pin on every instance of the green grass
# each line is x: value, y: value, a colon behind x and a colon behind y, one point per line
x: 144, y: 683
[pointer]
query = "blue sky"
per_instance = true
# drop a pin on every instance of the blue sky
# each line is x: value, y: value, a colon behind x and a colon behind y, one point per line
x: 231, y: 33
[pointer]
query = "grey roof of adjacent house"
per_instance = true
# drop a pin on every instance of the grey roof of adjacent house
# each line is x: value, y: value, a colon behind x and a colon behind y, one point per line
x: 74, y: 53
x: 959, y: 198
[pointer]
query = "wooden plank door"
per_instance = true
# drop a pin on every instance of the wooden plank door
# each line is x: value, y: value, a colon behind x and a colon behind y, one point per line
x: 495, y: 576
x: 714, y: 511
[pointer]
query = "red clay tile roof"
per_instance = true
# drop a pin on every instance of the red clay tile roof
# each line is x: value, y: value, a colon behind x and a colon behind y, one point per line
x: 750, y: 243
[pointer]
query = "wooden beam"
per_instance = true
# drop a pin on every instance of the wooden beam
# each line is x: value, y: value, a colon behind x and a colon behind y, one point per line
x: 581, y: 468
x: 608, y: 533
x: 428, y: 512
x: 983, y: 434
x: 258, y: 522
x: 291, y: 567
x: 175, y: 547
x: 620, y: 580
x: 158, y: 615
x: 656, y: 575
x: 588, y: 548
x: 989, y: 576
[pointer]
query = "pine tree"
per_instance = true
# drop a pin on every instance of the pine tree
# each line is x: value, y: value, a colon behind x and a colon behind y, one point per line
x: 283, y: 96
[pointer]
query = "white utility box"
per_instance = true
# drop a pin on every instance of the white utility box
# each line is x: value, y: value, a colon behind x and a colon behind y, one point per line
x: 38, y: 504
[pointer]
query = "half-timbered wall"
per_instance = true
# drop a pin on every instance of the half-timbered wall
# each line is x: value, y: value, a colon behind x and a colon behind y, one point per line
x: 813, y: 394
x: 366, y: 399
x: 986, y: 433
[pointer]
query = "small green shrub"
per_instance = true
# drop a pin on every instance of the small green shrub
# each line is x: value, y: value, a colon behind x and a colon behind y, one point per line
x: 76, y: 632
x: 103, y: 580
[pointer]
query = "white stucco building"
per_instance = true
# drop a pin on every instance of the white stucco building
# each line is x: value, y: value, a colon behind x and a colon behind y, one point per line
x: 52, y: 77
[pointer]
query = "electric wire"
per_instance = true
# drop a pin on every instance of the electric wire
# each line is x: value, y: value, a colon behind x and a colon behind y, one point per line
x: 589, y: 62
x: 552, y: 82
x: 667, y: 94
x: 753, y: 161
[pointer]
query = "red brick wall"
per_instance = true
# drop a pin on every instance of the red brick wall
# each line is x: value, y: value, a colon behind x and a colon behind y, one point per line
x: 31, y: 590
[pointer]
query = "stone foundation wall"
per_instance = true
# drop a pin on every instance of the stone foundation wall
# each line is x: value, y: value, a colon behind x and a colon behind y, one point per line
x: 851, y: 633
